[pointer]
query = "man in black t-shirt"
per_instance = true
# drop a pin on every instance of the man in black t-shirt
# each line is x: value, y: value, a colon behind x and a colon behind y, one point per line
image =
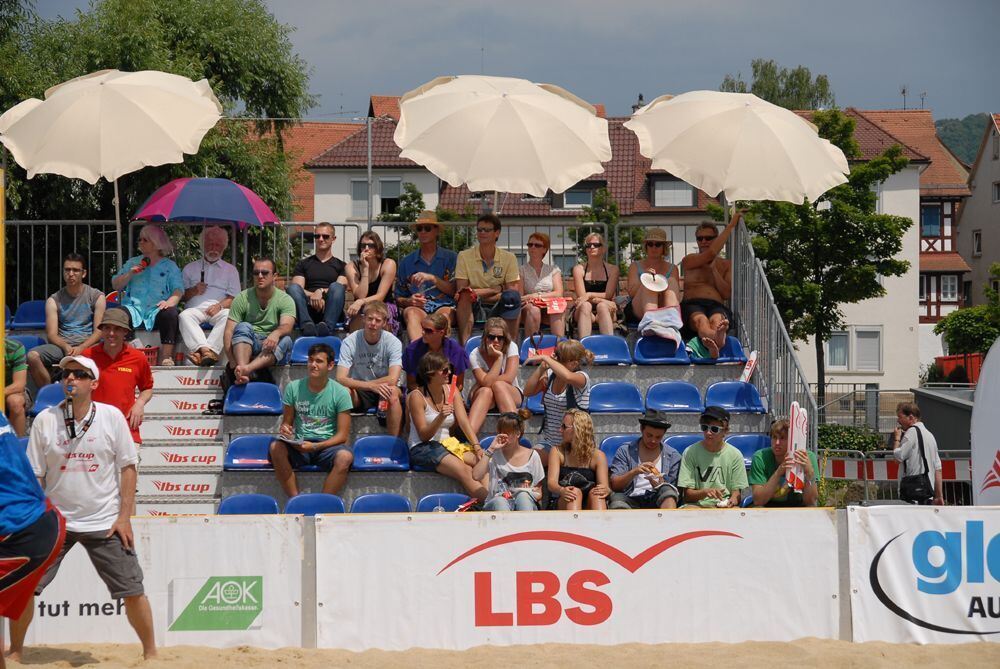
x: 318, y: 286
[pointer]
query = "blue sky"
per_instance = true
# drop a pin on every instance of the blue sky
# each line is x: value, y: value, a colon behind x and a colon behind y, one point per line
x: 608, y: 52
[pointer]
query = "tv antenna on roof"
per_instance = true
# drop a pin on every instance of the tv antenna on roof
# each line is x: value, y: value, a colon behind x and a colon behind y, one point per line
x: 903, y: 90
x: 922, y: 96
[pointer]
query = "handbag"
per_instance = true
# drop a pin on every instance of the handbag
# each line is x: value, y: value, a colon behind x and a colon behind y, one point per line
x: 916, y: 488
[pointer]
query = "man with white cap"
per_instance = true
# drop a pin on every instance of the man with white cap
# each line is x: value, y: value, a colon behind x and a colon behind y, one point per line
x: 210, y: 284
x: 83, y: 455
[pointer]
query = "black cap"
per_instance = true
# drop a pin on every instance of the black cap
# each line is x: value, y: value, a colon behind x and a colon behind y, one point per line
x: 654, y: 418
x: 718, y: 413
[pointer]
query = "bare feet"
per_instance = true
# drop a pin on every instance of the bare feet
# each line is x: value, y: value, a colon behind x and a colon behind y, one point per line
x: 195, y: 358
x: 240, y: 372
x: 209, y: 358
x: 712, y: 346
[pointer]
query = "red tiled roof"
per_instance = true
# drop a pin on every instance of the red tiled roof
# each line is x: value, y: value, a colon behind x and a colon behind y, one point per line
x: 384, y: 105
x: 943, y: 262
x: 946, y: 175
x: 303, y: 142
x: 353, y: 150
x: 873, y: 139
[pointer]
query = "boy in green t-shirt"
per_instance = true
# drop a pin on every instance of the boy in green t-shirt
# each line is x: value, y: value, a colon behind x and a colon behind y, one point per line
x: 315, y: 426
x: 767, y: 472
x: 15, y: 385
x: 713, y: 473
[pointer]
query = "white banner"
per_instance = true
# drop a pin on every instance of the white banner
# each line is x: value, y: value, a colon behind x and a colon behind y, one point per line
x: 183, y: 456
x: 212, y: 581
x: 985, y: 439
x: 925, y: 574
x: 453, y: 581
x: 177, y: 485
x: 184, y: 429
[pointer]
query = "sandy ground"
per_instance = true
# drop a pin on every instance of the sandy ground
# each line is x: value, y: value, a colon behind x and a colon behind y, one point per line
x: 802, y: 653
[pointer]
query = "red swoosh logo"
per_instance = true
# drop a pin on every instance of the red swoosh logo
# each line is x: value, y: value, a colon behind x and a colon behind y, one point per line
x: 632, y: 564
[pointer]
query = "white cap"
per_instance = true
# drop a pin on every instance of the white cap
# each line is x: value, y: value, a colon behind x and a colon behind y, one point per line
x: 87, y: 363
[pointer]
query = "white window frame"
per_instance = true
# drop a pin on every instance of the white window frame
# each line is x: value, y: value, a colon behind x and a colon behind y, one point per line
x: 977, y: 243
x: 949, y: 288
x: 588, y: 191
x: 922, y: 289
x: 384, y: 180
x: 847, y: 336
x: 996, y: 191
x: 856, y: 347
x: 355, y: 204
x: 682, y: 186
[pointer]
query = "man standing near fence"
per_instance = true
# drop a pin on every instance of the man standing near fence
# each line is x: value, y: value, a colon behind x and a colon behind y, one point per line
x: 915, y: 446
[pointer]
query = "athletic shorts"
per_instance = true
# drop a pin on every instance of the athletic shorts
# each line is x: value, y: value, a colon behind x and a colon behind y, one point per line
x: 322, y: 459
x: 25, y: 557
x: 117, y: 566
x: 367, y: 399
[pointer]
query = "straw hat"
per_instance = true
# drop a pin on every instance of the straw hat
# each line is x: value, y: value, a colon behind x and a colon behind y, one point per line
x: 656, y: 235
x: 427, y: 216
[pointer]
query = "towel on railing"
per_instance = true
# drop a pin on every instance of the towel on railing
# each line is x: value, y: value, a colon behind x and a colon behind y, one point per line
x: 664, y: 322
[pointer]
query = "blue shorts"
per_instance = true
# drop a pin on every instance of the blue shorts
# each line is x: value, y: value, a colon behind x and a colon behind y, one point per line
x: 322, y: 459
x: 428, y: 454
x: 244, y: 333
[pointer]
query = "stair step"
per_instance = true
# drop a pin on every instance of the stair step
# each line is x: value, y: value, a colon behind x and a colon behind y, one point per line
x: 182, y: 429
x: 178, y: 485
x: 174, y: 507
x: 182, y: 457
x: 189, y: 403
x: 186, y: 378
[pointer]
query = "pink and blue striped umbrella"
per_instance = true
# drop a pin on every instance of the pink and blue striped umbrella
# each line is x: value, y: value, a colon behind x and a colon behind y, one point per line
x: 216, y: 200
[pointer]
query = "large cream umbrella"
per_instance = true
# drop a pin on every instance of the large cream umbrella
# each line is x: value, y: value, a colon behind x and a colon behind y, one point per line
x: 502, y: 134
x: 110, y: 123
x: 739, y: 145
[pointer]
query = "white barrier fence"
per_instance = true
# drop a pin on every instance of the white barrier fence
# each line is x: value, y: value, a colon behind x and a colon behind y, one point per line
x: 448, y: 581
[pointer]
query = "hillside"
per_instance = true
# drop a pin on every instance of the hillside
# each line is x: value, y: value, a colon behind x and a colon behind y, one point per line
x: 962, y: 136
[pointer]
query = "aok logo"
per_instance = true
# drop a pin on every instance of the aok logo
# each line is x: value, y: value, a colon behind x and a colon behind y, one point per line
x: 945, y: 564
x: 179, y: 459
x: 192, y: 488
x: 194, y: 381
x: 181, y: 431
x: 221, y: 603
x: 535, y: 592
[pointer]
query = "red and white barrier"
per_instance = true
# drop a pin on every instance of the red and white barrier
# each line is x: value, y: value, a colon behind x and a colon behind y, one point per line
x: 852, y: 469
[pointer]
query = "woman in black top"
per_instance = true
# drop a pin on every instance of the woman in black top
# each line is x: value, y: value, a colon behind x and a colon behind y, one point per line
x: 578, y: 469
x: 369, y: 278
x: 595, y: 283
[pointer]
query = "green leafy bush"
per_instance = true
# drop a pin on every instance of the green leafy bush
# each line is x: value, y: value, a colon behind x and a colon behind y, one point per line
x: 847, y: 437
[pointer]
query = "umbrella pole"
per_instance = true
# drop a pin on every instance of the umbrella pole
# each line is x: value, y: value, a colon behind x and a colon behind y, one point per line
x: 3, y: 257
x: 118, y: 225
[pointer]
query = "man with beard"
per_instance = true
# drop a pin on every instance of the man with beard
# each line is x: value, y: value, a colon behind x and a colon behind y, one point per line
x: 210, y: 284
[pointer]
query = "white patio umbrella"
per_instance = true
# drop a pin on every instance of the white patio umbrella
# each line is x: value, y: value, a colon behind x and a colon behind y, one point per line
x: 110, y: 123
x: 739, y: 145
x: 502, y: 134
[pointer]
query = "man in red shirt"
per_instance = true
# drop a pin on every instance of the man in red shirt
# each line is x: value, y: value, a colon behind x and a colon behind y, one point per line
x: 124, y: 370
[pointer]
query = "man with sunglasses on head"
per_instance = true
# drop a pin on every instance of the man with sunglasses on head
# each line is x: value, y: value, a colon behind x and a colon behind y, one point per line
x: 425, y: 282
x: 260, y: 322
x: 319, y: 286
x: 713, y: 473
x: 487, y: 281
x: 708, y: 283
x: 83, y: 455
x: 370, y: 366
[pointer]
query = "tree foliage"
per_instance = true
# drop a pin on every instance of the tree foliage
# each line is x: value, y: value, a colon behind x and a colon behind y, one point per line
x: 790, y: 88
x: 963, y: 136
x: 973, y: 329
x: 604, y: 209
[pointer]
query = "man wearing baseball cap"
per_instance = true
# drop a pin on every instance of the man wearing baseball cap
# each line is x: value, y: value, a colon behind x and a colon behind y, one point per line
x: 82, y: 453
x: 124, y: 369
x: 425, y: 282
x: 713, y: 473
x: 644, y: 472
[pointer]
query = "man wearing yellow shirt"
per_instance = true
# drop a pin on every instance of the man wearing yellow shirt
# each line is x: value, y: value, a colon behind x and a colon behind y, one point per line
x: 487, y: 281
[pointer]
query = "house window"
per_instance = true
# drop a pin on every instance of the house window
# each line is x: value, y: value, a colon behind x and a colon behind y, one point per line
x: 967, y: 292
x: 578, y: 198
x: 995, y: 285
x: 359, y: 199
x: 672, y: 193
x: 477, y: 195
x: 977, y: 240
x: 996, y: 191
x: 923, y: 287
x: 930, y: 220
x: 565, y: 263
x: 837, y: 350
x: 389, y: 192
x: 949, y: 288
x: 867, y: 350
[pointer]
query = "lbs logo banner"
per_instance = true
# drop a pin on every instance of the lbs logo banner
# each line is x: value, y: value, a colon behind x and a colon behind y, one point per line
x: 925, y: 574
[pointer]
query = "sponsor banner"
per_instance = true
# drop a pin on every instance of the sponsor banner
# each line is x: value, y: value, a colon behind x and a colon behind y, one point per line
x: 187, y: 378
x: 203, y: 590
x: 183, y: 404
x: 985, y: 442
x: 925, y: 574
x: 158, y: 428
x: 174, y: 508
x: 182, y: 456
x: 177, y: 485
x: 464, y: 580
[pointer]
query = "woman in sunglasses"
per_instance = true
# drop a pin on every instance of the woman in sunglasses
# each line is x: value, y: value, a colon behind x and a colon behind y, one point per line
x: 578, y: 470
x: 433, y: 413
x: 595, y: 283
x: 641, y: 298
x: 494, y: 363
x: 538, y: 281
x: 436, y: 328
x: 563, y: 383
x: 370, y: 279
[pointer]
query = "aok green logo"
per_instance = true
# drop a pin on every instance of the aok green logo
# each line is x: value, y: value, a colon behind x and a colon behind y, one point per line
x: 222, y: 603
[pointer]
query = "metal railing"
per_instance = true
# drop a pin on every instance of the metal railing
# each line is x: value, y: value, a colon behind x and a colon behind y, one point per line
x: 779, y: 375
x: 862, y: 405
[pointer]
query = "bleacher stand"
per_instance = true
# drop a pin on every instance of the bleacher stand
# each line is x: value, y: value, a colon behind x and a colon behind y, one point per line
x: 679, y: 442
x: 735, y: 397
x: 300, y: 349
x: 27, y: 341
x: 610, y: 445
x: 248, y: 452
x: 381, y: 453
x: 29, y: 316
x: 659, y: 351
x: 252, y: 504
x: 674, y: 397
x: 732, y: 352
x: 382, y: 502
x: 608, y: 350
x: 47, y: 396
x: 310, y: 504
x: 446, y: 501
x: 748, y: 444
x: 534, y: 345
x: 254, y: 398
x: 615, y: 397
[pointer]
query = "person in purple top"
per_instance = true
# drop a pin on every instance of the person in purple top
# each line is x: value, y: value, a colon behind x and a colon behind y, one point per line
x: 435, y: 338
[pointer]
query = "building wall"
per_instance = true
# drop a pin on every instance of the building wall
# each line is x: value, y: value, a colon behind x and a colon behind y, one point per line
x: 981, y: 213
x: 895, y: 315
x: 333, y: 191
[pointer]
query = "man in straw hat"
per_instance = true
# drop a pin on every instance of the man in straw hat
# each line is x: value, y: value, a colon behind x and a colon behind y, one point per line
x: 425, y: 282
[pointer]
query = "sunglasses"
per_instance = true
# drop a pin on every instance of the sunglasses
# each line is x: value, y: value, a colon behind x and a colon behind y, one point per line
x: 702, y: 238
x: 366, y: 245
x: 493, y: 337
x: 714, y: 429
x: 78, y: 374
x: 72, y: 270
x: 654, y: 245
x: 323, y: 236
x: 535, y: 245
x: 261, y: 272
x: 430, y: 331
x: 485, y: 231
x: 424, y: 228
x: 593, y: 245
x: 445, y: 371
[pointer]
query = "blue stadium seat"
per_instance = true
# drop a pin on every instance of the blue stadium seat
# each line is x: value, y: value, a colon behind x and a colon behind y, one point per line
x: 731, y: 352
x: 534, y: 403
x: 675, y: 397
x: 485, y: 442
x: 735, y: 397
x: 472, y: 344
x: 28, y: 341
x: 248, y: 452
x: 6, y: 315
x: 300, y: 349
x: 608, y: 350
x: 545, y: 341
x: 29, y: 316
x: 47, y: 396
x: 253, y: 399
x: 310, y: 504
x: 381, y: 453
x: 449, y: 501
x: 747, y: 502
x: 659, y: 351
x: 615, y: 397
x: 748, y: 444
x: 381, y: 502
x: 252, y: 504
x: 611, y: 444
x: 24, y: 442
x: 679, y: 442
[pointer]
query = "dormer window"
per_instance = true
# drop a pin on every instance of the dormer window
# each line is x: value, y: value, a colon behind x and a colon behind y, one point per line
x: 668, y: 191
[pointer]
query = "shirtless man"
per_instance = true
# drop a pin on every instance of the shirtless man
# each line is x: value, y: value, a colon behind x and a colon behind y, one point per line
x: 708, y: 282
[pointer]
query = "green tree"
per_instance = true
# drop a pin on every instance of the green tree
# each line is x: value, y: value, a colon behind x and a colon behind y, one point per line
x: 411, y: 203
x: 790, y: 88
x: 604, y: 209
x: 963, y: 136
x: 973, y: 329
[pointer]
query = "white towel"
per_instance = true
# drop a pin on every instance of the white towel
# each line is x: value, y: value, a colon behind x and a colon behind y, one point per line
x: 664, y: 322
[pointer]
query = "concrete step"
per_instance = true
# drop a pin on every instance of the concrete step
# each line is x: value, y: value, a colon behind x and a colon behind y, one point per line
x: 181, y: 429
x: 182, y: 457
x: 177, y: 486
